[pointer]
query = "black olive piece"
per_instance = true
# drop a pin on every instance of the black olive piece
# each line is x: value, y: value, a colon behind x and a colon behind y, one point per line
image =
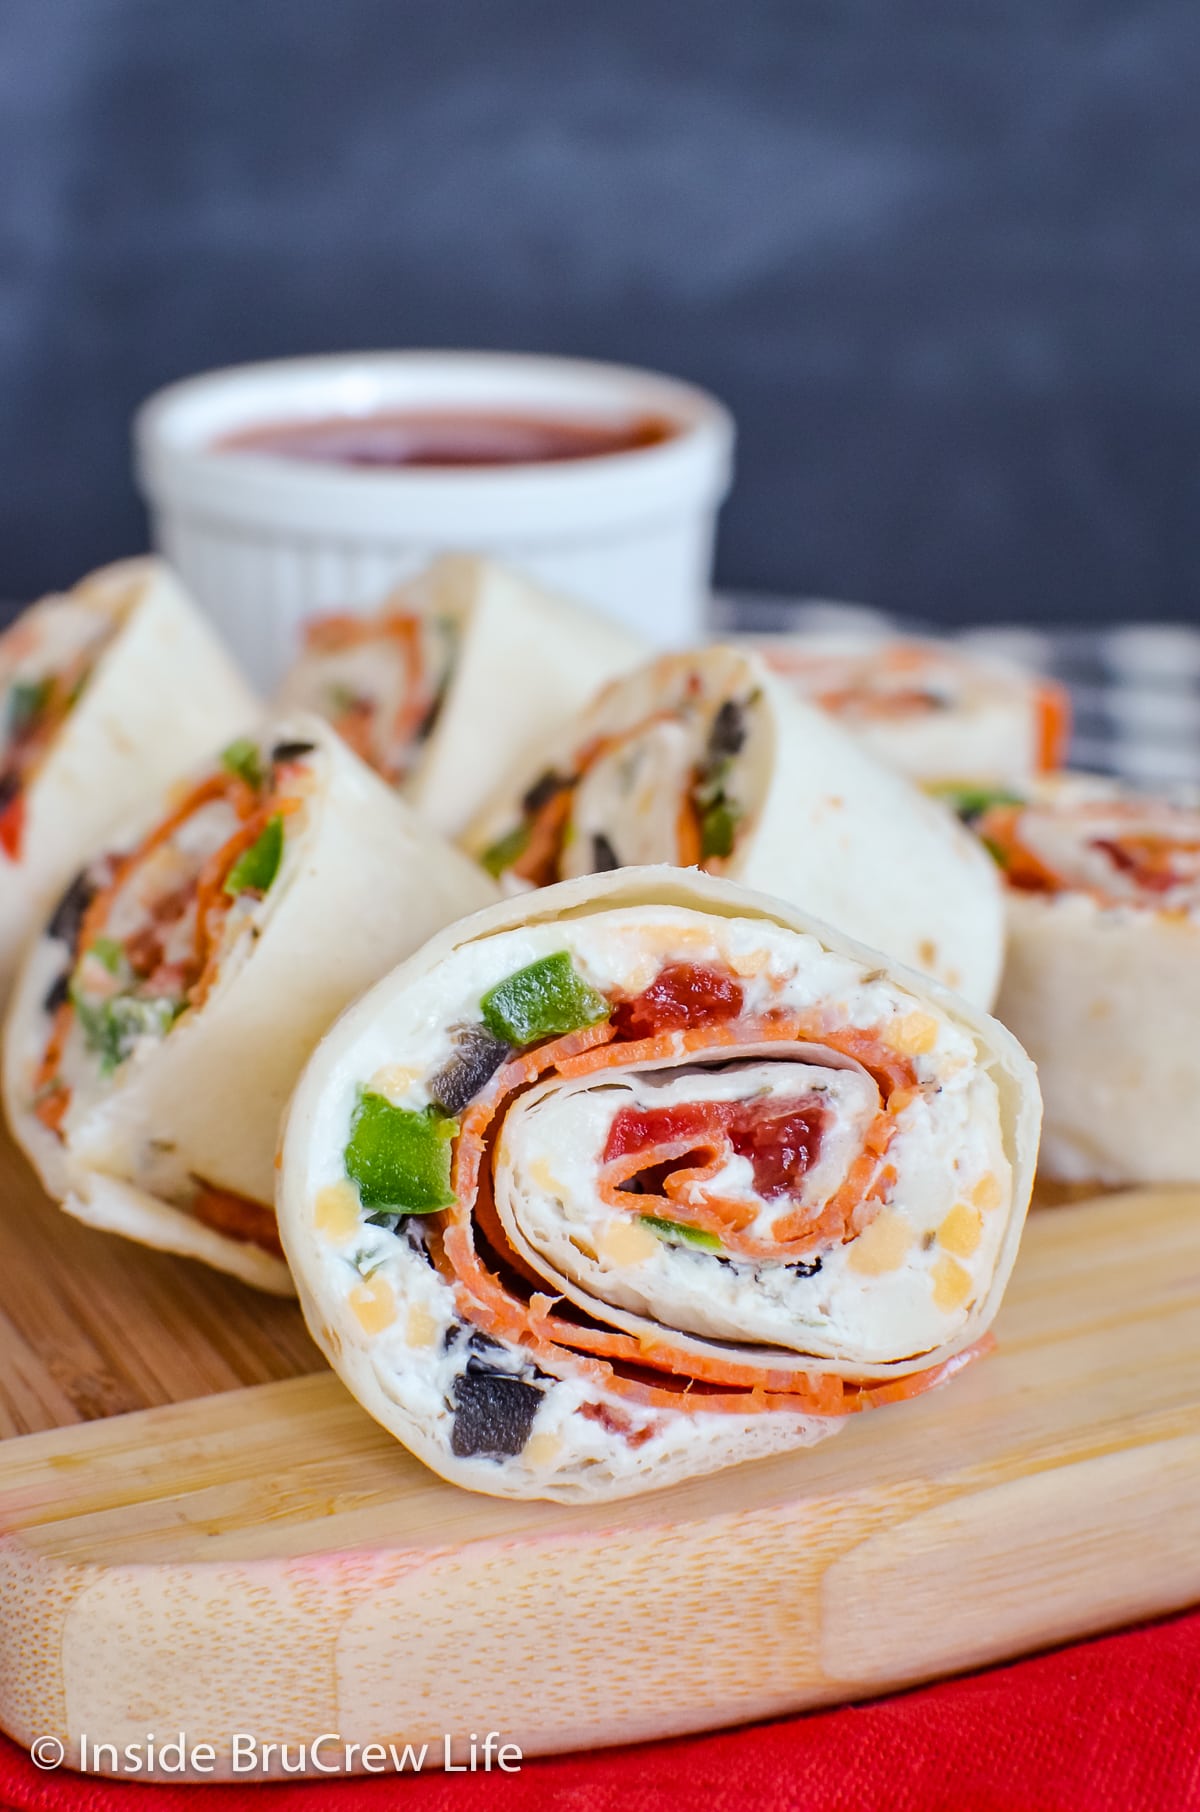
x: 543, y: 788
x: 425, y: 727
x: 10, y: 786
x: 483, y: 1343
x: 66, y: 921
x: 451, y: 1335
x: 57, y: 993
x: 478, y: 1054
x: 291, y: 751
x: 604, y: 856
x: 728, y: 731
x: 806, y: 1267
x: 493, y: 1414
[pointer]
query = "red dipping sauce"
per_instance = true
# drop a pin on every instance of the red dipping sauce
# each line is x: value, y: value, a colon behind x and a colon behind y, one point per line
x: 447, y: 438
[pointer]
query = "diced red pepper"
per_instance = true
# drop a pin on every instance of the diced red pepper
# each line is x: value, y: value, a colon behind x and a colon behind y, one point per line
x: 12, y: 827
x: 780, y: 1137
x: 681, y: 996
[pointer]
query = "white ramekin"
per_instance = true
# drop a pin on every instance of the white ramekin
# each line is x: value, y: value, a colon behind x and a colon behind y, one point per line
x: 263, y: 540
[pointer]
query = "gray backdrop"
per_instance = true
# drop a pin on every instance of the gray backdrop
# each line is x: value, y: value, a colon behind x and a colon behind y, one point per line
x: 942, y: 259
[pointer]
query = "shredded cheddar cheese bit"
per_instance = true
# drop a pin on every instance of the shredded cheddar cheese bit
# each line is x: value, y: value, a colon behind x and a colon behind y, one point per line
x: 672, y: 939
x: 374, y: 1303
x: 421, y: 1329
x: 336, y: 1210
x: 393, y: 1082
x: 914, y: 1035
x: 952, y: 1284
x: 541, y: 1450
x: 624, y: 1242
x: 927, y: 953
x: 987, y: 1192
x: 638, y: 979
x: 961, y: 1230
x: 882, y: 1245
x: 750, y: 962
x: 541, y: 1174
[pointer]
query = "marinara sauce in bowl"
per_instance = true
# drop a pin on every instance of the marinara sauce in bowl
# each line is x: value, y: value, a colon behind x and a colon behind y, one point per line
x: 315, y: 484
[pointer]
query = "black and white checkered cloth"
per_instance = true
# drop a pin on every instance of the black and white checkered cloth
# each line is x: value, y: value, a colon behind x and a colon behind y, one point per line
x: 1135, y: 688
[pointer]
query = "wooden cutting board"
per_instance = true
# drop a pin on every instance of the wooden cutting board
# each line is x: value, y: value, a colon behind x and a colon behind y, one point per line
x: 264, y: 1562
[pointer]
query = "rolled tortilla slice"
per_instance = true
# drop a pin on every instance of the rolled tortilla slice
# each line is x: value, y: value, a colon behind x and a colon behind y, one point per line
x: 643, y: 1175
x: 705, y: 759
x: 940, y: 714
x: 111, y: 691
x: 1102, y: 977
x: 179, y: 986
x: 447, y: 685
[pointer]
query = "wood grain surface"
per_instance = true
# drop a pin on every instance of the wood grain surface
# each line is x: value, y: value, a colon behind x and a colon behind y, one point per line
x: 268, y: 1561
x: 95, y: 1326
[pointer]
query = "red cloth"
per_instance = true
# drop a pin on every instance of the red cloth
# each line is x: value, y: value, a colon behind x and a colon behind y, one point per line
x: 1110, y: 1724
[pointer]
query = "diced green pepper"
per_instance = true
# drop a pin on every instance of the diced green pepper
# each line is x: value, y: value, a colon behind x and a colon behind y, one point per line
x: 256, y: 867
x: 972, y: 801
x: 717, y: 828
x: 999, y: 856
x: 676, y: 1230
x: 506, y: 850
x: 112, y: 1028
x: 543, y: 1000
x: 109, y: 953
x: 26, y: 702
x: 399, y: 1158
x: 243, y: 759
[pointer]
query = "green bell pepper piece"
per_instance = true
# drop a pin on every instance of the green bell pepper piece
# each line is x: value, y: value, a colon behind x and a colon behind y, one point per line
x: 26, y: 702
x: 971, y: 801
x: 543, y: 1000
x: 400, y: 1158
x: 676, y: 1230
x: 506, y: 850
x: 256, y: 867
x: 242, y: 758
x: 108, y: 952
x: 717, y: 828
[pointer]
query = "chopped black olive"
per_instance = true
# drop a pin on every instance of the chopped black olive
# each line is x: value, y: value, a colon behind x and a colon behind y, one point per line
x: 410, y: 1226
x: 543, y: 788
x: 481, y: 1343
x: 291, y: 751
x: 10, y: 786
x: 425, y: 727
x: 451, y: 1335
x: 728, y: 731
x: 493, y: 1414
x: 478, y: 1054
x: 806, y: 1267
x: 57, y: 993
x: 604, y: 856
x: 66, y: 920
